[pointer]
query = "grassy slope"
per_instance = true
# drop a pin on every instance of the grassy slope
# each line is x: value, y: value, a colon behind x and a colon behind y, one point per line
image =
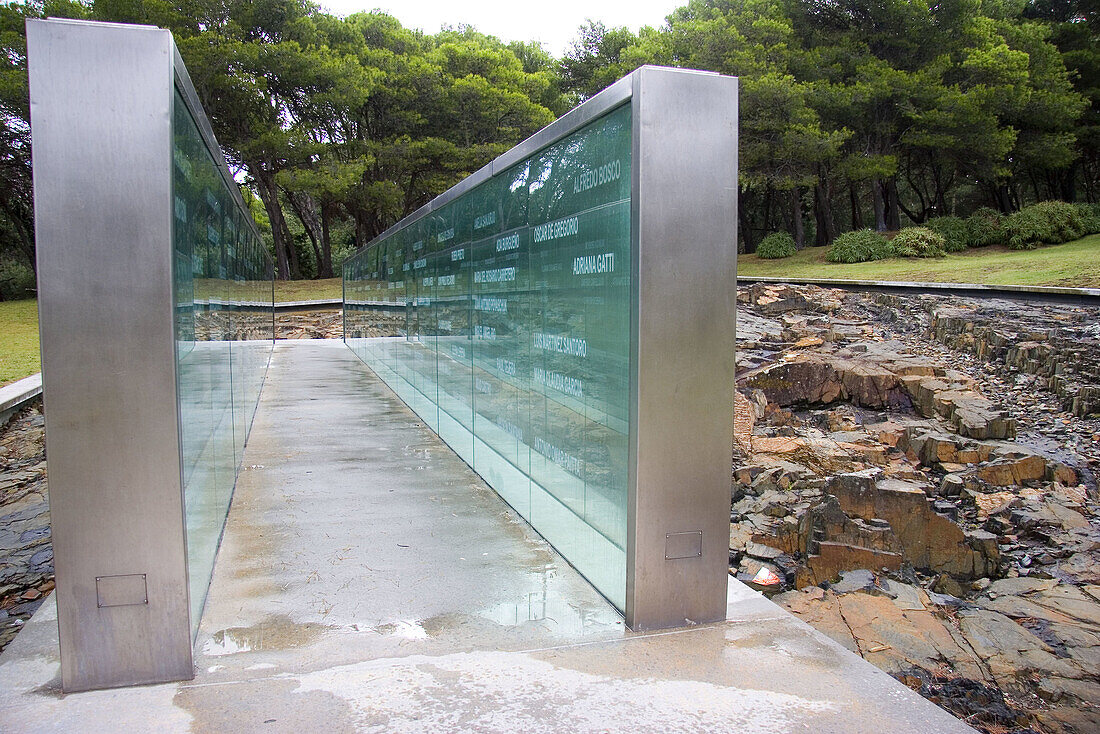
x: 19, y: 344
x: 308, y: 290
x: 1075, y: 264
x: 19, y: 355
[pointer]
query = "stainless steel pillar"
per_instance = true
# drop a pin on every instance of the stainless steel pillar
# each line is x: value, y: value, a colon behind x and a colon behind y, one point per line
x: 684, y: 210
x: 154, y: 298
x: 101, y: 100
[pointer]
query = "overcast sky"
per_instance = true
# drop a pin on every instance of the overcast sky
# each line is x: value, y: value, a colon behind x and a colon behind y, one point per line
x: 553, y: 22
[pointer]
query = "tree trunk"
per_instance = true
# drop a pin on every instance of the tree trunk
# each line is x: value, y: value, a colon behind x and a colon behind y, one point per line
x: 1067, y: 182
x: 286, y: 257
x: 306, y: 210
x: 893, y: 215
x: 324, y: 265
x: 823, y: 213
x: 1003, y: 198
x: 857, y: 209
x: 744, y: 241
x: 941, y: 196
x: 798, y: 231
x: 24, y: 228
x: 362, y: 229
x: 880, y: 206
x: 767, y: 208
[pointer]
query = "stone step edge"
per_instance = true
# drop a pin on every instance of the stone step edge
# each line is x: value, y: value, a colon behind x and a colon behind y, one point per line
x: 14, y: 396
x: 1044, y: 292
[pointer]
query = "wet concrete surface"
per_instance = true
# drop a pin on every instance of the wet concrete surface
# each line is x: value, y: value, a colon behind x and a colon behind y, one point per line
x: 368, y: 580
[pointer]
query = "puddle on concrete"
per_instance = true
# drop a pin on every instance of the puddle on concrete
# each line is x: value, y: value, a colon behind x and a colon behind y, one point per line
x: 557, y: 617
x: 408, y: 629
x: 781, y: 639
x: 274, y: 633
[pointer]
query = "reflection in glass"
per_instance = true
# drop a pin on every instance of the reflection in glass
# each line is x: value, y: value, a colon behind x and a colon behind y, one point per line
x: 503, y: 320
x: 224, y: 335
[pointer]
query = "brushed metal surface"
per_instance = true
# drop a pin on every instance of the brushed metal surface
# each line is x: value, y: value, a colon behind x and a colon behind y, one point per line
x: 101, y: 99
x: 684, y: 221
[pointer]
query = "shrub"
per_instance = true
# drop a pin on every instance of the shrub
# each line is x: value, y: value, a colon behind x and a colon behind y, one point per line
x: 1090, y: 217
x: 955, y: 231
x: 918, y: 242
x: 858, y: 247
x: 16, y: 281
x: 1048, y: 222
x: 987, y: 227
x: 776, y: 245
x: 1026, y: 230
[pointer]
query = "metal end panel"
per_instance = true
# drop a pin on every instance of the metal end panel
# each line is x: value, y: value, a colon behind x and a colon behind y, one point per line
x: 684, y: 211
x: 101, y: 100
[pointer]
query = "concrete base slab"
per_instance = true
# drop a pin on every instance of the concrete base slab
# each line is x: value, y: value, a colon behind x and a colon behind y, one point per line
x: 369, y: 581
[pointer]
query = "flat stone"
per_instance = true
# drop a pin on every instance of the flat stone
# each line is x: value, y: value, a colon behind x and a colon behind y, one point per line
x: 895, y: 639
x: 1015, y: 586
x: 905, y: 596
x: 1011, y: 652
x: 764, y: 552
x: 1020, y: 607
x: 1089, y: 660
x: 1069, y: 720
x: 851, y: 581
x: 1075, y: 635
x: 1070, y: 600
x: 1055, y: 689
x: 1083, y: 567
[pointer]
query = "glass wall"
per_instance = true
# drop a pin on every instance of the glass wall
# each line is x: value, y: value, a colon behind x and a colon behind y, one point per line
x: 224, y: 335
x: 503, y: 320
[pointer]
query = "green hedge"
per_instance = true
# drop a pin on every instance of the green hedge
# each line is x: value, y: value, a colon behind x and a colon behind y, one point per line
x: 918, y: 242
x: 1090, y: 217
x: 987, y: 227
x: 1045, y: 223
x: 955, y: 231
x: 16, y: 281
x: 859, y: 246
x: 776, y: 245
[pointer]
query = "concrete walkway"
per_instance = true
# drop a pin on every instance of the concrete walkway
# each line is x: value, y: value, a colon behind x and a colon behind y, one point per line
x: 369, y: 581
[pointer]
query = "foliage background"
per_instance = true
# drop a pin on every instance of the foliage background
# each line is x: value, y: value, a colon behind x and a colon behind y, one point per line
x: 854, y: 113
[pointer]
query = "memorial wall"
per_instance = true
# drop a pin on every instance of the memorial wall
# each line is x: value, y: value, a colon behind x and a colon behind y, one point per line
x: 564, y: 319
x: 157, y: 324
x: 503, y: 319
x: 225, y: 329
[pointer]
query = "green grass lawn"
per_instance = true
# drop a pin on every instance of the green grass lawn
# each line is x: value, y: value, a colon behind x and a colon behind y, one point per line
x: 19, y: 356
x: 308, y: 290
x: 19, y: 345
x: 1074, y: 264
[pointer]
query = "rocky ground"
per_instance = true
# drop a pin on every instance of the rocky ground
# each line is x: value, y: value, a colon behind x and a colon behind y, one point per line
x: 916, y: 477
x: 320, y: 324
x: 26, y: 554
x: 918, y: 474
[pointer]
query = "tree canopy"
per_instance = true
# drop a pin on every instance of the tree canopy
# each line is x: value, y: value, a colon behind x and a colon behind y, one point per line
x: 853, y: 113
